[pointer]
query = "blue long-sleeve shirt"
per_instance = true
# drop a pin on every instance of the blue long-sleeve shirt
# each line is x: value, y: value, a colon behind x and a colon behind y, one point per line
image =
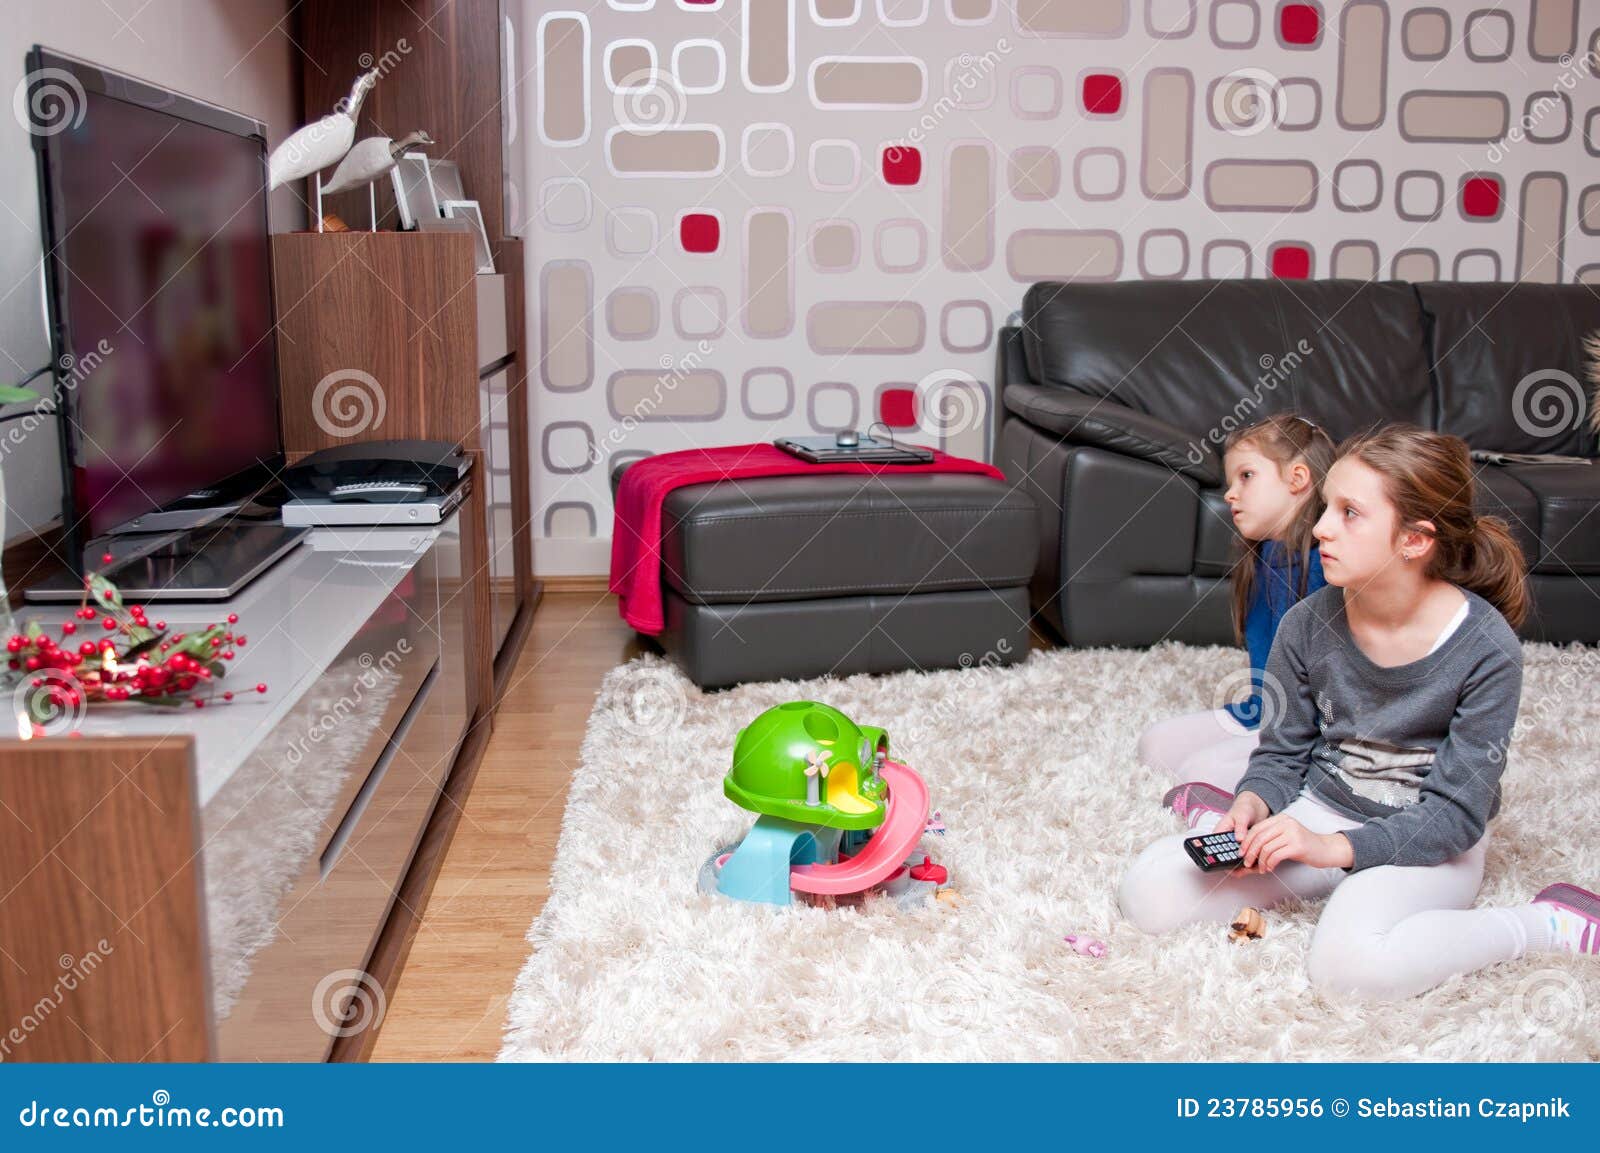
x: 1277, y: 591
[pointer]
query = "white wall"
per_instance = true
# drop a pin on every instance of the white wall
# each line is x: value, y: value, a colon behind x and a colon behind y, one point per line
x: 231, y: 52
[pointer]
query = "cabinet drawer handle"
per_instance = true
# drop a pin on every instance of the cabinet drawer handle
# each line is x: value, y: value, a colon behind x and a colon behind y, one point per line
x: 380, y: 769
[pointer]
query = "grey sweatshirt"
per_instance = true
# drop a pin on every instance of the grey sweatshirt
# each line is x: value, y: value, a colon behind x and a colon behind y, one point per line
x: 1415, y: 751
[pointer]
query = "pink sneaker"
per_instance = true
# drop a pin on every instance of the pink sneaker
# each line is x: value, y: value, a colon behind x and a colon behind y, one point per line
x: 1192, y: 799
x: 1574, y: 917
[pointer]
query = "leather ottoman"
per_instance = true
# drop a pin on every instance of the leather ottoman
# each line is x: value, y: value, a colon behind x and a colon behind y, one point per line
x: 799, y: 576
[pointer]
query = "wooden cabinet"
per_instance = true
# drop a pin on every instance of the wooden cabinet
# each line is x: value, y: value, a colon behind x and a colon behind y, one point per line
x: 319, y: 854
x: 443, y: 66
x: 232, y: 871
x: 384, y: 719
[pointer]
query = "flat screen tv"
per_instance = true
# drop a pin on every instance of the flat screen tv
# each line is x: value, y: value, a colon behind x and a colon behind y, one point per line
x: 159, y: 292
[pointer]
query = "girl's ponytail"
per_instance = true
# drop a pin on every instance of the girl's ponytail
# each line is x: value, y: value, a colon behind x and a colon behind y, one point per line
x: 1428, y: 477
x: 1491, y: 565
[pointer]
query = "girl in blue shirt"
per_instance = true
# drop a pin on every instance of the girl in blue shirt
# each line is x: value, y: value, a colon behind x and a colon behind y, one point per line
x: 1275, y: 469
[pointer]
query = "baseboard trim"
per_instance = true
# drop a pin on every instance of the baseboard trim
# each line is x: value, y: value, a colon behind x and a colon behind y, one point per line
x: 577, y: 583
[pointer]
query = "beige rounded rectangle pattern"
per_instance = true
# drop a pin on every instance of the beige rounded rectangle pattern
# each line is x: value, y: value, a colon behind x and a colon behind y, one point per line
x: 632, y: 314
x: 868, y: 82
x: 566, y: 339
x: 1363, y: 63
x: 1164, y: 170
x: 563, y: 51
x: 968, y: 225
x: 1261, y: 185
x: 688, y: 150
x: 766, y: 50
x: 1064, y: 254
x: 668, y: 394
x: 768, y: 273
x: 834, y: 245
x: 1461, y: 117
x: 1553, y: 29
x: 1540, y: 236
x: 840, y: 327
x: 1072, y: 17
x: 1034, y: 173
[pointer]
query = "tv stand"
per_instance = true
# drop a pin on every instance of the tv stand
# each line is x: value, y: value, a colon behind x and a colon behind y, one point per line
x: 209, y: 563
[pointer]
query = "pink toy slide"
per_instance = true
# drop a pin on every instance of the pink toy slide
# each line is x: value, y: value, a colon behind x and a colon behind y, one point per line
x: 903, y: 826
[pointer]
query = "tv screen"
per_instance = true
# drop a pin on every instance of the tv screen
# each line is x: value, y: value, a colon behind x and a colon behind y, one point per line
x: 156, y: 221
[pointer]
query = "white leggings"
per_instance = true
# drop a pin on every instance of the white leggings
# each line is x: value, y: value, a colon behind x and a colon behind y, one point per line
x: 1209, y: 746
x: 1386, y: 932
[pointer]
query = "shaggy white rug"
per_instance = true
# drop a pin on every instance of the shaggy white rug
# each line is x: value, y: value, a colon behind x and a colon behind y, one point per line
x: 1034, y: 771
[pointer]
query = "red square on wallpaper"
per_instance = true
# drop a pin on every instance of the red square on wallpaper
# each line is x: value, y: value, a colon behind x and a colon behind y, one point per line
x: 1102, y: 93
x: 699, y: 232
x: 897, y: 407
x: 1299, y: 23
x: 1291, y: 262
x: 902, y: 164
x: 1480, y: 197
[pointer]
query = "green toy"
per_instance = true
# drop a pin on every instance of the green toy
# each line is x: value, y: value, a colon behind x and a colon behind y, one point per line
x: 808, y: 762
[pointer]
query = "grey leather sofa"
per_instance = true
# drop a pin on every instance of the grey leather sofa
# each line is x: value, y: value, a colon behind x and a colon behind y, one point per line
x: 1114, y: 398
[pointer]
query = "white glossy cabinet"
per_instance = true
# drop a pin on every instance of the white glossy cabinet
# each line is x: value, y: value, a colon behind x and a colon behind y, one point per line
x: 314, y: 795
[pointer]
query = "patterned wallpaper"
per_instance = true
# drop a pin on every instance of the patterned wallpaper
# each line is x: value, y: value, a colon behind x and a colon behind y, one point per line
x: 747, y: 218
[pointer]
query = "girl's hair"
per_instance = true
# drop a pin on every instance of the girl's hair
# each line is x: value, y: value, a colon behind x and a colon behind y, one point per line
x: 1283, y: 439
x: 1427, y: 476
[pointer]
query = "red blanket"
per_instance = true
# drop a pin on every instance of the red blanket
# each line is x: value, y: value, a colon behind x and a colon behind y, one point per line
x: 636, y: 529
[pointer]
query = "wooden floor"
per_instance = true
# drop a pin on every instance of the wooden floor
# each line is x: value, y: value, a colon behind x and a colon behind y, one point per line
x: 451, y: 1001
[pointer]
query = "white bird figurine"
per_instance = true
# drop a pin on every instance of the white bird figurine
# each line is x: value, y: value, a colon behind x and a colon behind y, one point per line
x: 320, y: 144
x: 370, y: 159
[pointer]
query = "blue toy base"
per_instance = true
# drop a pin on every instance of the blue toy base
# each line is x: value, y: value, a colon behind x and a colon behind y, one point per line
x: 757, y: 868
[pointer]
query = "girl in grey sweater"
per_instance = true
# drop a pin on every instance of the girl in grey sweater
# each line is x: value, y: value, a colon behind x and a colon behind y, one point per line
x: 1391, y: 697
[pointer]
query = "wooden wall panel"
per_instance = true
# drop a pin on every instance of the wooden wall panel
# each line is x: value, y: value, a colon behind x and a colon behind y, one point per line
x: 508, y: 258
x: 101, y: 889
x: 475, y: 568
x: 399, y: 307
x: 441, y: 65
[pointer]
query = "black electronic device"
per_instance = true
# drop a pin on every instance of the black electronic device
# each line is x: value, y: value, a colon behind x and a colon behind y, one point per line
x: 1212, y: 851
x: 380, y: 471
x: 159, y: 293
x: 849, y: 445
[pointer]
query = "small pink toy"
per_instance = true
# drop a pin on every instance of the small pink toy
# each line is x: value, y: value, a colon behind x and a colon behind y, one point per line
x: 928, y: 871
x: 1086, y: 946
x: 935, y: 825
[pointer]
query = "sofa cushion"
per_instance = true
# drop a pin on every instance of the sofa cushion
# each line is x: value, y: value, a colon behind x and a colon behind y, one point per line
x: 1211, y: 355
x: 1103, y: 422
x: 794, y: 537
x: 1497, y: 493
x: 1216, y: 541
x: 1487, y: 339
x: 1569, y: 519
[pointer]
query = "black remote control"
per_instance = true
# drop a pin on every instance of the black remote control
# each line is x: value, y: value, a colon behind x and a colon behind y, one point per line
x: 1214, y: 851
